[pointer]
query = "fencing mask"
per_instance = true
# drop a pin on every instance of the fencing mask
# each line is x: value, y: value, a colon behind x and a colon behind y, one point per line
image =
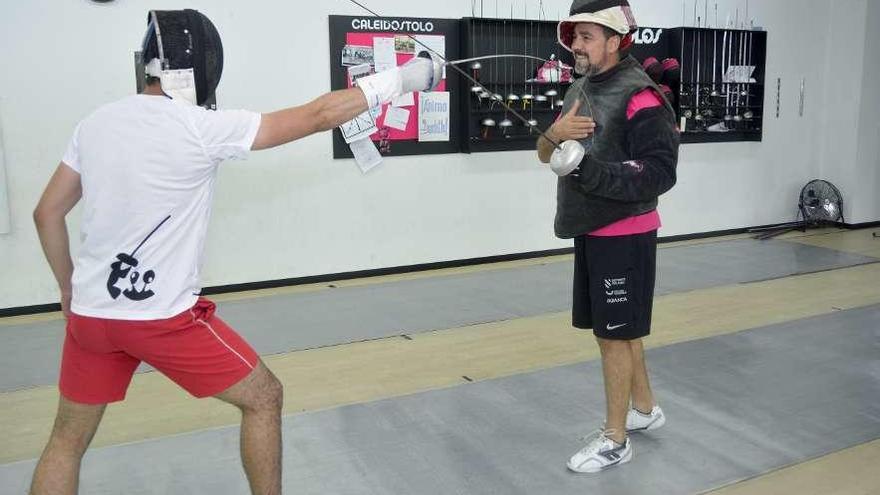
x: 183, y: 49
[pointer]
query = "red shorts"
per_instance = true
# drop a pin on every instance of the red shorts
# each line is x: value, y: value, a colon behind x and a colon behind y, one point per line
x: 195, y: 349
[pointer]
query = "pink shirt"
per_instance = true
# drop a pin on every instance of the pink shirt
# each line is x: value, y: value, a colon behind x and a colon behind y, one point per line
x: 638, y: 224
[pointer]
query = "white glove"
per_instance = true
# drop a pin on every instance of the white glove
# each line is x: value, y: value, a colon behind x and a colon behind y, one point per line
x: 423, y: 73
x: 567, y: 157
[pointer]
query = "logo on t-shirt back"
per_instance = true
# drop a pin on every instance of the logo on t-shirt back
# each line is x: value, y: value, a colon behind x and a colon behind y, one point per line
x: 123, y: 268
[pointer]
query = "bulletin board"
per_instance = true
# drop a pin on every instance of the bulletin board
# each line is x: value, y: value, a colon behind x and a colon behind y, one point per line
x: 355, y: 52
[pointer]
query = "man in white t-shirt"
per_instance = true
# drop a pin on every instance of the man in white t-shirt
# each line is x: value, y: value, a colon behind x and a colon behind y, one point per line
x: 144, y: 168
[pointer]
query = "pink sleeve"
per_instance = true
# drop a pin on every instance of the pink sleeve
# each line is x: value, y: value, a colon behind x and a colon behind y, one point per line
x: 646, y: 98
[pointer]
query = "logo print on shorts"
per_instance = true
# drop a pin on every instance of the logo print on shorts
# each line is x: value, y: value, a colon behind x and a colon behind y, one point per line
x: 615, y: 289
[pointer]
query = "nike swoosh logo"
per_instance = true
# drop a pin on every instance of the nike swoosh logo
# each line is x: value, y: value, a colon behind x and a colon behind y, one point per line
x: 615, y: 327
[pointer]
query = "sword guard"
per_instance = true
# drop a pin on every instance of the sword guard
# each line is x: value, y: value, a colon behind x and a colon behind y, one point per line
x: 438, y: 64
x: 567, y: 157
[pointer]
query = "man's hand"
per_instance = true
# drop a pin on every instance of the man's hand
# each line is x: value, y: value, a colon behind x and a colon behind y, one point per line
x: 569, y: 127
x: 573, y: 126
x: 65, y: 303
x: 422, y: 73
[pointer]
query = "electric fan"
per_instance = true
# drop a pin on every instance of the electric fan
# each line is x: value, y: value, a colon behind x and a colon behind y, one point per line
x: 820, y: 203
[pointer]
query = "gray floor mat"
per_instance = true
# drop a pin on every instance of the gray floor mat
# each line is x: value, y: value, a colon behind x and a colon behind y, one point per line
x: 739, y: 405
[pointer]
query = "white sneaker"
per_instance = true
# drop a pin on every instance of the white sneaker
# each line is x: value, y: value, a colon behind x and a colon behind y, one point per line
x: 637, y: 421
x: 600, y: 453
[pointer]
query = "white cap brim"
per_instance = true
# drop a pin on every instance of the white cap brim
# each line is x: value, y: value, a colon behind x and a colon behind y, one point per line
x: 615, y: 18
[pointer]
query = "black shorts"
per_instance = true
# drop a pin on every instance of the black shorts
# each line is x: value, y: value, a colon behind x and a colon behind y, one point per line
x: 614, y: 285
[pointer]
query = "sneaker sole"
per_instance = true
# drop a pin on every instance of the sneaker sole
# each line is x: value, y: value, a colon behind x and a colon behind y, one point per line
x: 653, y: 425
x: 623, y: 460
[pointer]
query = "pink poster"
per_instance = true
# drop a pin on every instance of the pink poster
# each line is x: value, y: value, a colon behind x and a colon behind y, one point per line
x: 405, y: 48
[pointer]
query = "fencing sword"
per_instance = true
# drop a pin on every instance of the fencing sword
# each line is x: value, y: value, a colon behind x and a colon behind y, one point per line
x: 740, y: 53
x: 507, y: 123
x: 492, y: 57
x: 566, y: 156
x: 714, y: 92
x: 476, y: 66
x: 511, y: 96
x: 706, y: 13
x: 698, y: 112
x: 488, y: 123
x: 689, y: 113
x: 496, y: 97
x: 728, y: 86
x: 749, y: 114
x: 527, y: 96
x: 683, y: 12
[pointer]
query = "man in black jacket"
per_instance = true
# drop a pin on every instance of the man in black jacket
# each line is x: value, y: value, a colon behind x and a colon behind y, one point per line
x: 608, y: 205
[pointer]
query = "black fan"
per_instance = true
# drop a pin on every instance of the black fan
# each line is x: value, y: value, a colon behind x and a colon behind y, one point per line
x: 820, y: 203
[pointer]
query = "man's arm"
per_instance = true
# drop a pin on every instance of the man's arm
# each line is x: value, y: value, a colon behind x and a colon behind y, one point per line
x: 321, y: 114
x: 61, y: 195
x: 652, y: 142
x: 335, y: 108
x: 569, y: 126
x: 545, y: 147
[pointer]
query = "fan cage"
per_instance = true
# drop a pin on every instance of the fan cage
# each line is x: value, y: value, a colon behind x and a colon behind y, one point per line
x: 820, y: 202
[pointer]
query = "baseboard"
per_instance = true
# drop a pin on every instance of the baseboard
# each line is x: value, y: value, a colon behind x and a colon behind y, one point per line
x: 380, y: 272
x: 715, y: 233
x: 859, y: 226
x: 316, y: 279
x: 30, y: 310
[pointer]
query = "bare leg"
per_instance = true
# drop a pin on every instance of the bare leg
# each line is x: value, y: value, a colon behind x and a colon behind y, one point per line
x: 642, y: 397
x: 617, y: 366
x: 57, y: 471
x: 259, y: 397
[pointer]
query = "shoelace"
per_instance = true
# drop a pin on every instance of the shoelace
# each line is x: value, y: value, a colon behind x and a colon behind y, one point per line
x: 598, y: 435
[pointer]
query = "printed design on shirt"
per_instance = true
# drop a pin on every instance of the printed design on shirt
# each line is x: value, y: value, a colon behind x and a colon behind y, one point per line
x: 615, y: 290
x: 122, y: 268
x: 635, y: 165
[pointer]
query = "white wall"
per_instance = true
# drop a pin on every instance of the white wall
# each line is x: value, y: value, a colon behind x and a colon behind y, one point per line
x: 843, y: 113
x: 294, y: 211
x: 865, y: 196
x: 4, y: 196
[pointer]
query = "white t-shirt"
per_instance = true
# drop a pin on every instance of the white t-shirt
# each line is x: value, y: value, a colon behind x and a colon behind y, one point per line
x: 147, y: 166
